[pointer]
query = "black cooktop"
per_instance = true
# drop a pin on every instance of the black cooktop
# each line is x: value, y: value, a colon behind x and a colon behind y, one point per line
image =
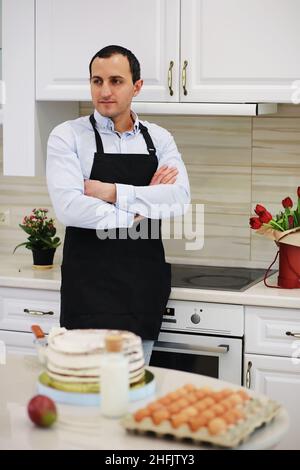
x: 215, y: 277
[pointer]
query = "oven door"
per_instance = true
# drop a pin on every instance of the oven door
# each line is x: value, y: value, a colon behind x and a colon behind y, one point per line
x: 215, y: 356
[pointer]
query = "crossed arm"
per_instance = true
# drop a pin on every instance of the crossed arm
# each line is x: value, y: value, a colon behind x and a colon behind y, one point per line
x: 94, y: 204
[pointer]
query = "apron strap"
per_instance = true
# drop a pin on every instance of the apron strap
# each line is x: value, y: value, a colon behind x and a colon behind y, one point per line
x: 148, y: 140
x: 99, y: 144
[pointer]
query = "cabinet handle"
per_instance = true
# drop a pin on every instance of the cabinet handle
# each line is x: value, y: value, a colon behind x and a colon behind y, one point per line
x: 248, y: 375
x: 289, y: 333
x: 165, y: 345
x: 170, y: 78
x: 183, y: 77
x: 37, y: 312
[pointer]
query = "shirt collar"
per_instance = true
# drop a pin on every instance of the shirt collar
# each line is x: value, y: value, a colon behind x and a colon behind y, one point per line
x: 106, y: 123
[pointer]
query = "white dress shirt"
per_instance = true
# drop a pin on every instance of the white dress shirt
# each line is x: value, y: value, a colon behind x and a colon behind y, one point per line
x: 70, y: 155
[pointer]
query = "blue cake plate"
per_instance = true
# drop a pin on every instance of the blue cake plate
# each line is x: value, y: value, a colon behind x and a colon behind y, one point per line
x: 137, y: 392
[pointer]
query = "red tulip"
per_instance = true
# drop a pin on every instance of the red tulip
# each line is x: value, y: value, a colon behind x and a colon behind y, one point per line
x: 287, y: 202
x: 291, y: 221
x: 259, y: 209
x: 255, y: 223
x: 265, y: 217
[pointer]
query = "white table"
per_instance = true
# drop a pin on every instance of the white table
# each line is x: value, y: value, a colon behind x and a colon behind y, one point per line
x: 85, y: 428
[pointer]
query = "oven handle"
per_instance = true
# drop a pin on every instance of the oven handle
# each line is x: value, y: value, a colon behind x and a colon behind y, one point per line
x: 221, y: 348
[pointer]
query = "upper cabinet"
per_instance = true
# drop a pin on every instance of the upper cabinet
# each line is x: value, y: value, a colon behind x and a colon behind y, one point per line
x: 222, y: 51
x: 240, y: 50
x: 70, y: 32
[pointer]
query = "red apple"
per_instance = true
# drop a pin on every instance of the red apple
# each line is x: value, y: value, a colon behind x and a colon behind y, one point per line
x: 42, y: 411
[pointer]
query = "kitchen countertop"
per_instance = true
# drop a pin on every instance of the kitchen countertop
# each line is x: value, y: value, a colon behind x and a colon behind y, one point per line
x: 85, y: 428
x: 18, y: 272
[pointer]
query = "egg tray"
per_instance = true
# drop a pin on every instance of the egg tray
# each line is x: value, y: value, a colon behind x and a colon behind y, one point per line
x: 256, y: 411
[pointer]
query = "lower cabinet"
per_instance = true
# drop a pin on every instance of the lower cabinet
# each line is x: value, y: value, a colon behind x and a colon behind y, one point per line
x: 272, y: 361
x: 278, y: 378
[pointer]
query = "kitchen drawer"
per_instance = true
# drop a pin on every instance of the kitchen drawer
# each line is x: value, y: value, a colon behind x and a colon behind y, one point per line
x: 17, y: 342
x: 20, y: 308
x: 266, y: 328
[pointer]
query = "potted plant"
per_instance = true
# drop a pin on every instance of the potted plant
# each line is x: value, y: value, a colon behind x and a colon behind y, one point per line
x: 41, y: 240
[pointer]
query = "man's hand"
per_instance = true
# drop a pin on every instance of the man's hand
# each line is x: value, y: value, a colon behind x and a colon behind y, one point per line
x: 165, y: 175
x: 105, y: 191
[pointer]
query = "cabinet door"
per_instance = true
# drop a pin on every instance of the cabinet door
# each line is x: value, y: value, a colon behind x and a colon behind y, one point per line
x: 70, y: 32
x: 278, y: 378
x: 240, y: 51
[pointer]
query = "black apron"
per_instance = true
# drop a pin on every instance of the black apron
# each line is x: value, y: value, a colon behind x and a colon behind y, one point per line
x: 121, y: 282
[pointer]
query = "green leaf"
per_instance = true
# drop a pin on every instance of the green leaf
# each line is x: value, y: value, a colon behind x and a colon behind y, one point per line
x: 21, y: 244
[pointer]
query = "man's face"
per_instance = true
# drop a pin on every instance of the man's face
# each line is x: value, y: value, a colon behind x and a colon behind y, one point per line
x: 112, y: 88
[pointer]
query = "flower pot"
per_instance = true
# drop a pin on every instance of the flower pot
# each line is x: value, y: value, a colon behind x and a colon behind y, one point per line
x: 43, y: 259
x: 289, y: 266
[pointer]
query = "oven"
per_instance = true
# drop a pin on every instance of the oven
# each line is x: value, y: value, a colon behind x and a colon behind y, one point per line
x: 201, y: 337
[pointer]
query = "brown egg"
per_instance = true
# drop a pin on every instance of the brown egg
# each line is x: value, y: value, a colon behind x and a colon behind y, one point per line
x: 216, y: 426
x: 197, y: 422
x: 209, y: 401
x: 226, y: 392
x: 173, y: 396
x: 218, y: 409
x: 160, y: 415
x: 200, y: 406
x: 190, y: 387
x: 244, y: 395
x: 230, y: 417
x: 200, y: 394
x: 179, y: 419
x: 155, y: 405
x: 174, y: 407
x: 217, y: 396
x: 209, y: 414
x: 183, y: 402
x: 208, y: 391
x: 141, y: 414
x: 165, y: 400
x: 235, y: 399
x: 191, y: 397
x: 191, y: 411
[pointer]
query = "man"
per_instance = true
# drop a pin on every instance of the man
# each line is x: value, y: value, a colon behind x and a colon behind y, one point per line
x: 111, y: 176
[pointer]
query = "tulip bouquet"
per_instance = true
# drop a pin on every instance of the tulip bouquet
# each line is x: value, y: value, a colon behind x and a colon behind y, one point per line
x: 287, y: 220
x: 284, y: 229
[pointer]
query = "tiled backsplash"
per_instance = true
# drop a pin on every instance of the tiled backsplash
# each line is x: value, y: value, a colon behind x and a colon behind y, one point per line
x: 233, y: 163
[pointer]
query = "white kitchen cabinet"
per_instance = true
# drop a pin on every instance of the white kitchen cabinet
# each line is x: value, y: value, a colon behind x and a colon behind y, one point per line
x: 70, y: 32
x: 222, y: 51
x: 20, y: 308
x: 278, y: 378
x: 240, y: 50
x: 272, y: 361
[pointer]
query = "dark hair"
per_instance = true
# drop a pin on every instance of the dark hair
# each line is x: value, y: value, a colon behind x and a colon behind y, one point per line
x: 108, y: 51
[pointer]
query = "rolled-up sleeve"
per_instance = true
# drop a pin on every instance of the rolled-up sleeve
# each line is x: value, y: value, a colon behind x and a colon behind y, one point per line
x: 162, y: 200
x: 66, y: 187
